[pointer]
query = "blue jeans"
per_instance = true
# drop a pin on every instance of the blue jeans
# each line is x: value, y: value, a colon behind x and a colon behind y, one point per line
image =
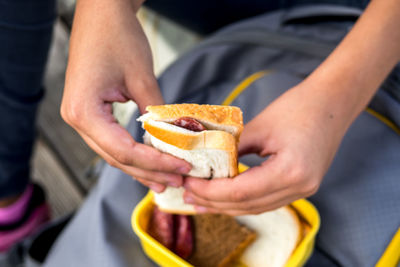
x: 25, y: 35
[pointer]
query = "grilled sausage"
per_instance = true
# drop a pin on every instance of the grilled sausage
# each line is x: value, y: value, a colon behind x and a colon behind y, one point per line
x: 161, y: 227
x: 184, y: 236
x: 190, y: 124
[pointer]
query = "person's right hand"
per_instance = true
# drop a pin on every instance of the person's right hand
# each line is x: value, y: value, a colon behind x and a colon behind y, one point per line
x: 110, y: 61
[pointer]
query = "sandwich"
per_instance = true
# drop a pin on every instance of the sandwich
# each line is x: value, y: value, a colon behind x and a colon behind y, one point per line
x: 206, y: 136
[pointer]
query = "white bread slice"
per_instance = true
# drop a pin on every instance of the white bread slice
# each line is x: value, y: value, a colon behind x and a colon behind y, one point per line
x: 278, y: 234
x: 214, y: 117
x: 206, y: 163
x: 171, y: 201
x: 212, y: 153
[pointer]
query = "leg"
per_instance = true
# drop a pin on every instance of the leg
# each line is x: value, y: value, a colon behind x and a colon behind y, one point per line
x: 25, y: 35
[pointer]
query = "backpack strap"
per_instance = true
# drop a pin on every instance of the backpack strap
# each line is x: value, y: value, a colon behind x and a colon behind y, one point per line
x: 316, y: 13
x: 243, y: 85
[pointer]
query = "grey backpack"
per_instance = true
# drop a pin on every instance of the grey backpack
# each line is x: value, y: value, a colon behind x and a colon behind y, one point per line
x: 260, y: 58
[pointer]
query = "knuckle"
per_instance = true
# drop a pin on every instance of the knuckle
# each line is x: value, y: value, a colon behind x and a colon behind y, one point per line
x: 71, y: 113
x: 301, y: 177
x: 112, y: 163
x: 311, y: 187
x: 239, y: 195
x: 123, y: 159
x: 63, y: 113
x: 296, y: 174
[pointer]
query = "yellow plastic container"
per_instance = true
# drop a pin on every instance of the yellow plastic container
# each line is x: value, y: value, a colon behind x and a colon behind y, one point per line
x: 164, y: 257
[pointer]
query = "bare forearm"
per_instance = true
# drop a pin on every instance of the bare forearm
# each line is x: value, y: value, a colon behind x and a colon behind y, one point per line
x: 100, y: 16
x: 98, y: 23
x: 107, y: 40
x: 353, y: 72
x: 110, y: 61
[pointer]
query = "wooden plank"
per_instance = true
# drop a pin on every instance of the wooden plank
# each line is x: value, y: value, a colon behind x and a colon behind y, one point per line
x: 62, y: 194
x: 67, y: 145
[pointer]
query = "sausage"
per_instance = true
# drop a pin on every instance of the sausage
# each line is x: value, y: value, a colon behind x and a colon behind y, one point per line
x: 190, y: 124
x: 161, y: 228
x: 184, y: 236
x: 175, y: 232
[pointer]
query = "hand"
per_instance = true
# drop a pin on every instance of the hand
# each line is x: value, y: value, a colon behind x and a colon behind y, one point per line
x: 302, y: 129
x: 110, y: 61
x: 300, y: 134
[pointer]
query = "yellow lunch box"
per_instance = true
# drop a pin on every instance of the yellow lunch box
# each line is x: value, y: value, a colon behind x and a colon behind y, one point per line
x: 164, y: 257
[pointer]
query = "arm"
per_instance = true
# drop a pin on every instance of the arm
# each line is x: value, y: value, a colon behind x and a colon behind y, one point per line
x: 302, y: 129
x: 110, y: 61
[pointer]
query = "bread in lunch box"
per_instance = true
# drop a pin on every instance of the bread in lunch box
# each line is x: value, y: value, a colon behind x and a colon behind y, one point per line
x: 266, y: 239
x: 278, y: 234
x: 218, y: 240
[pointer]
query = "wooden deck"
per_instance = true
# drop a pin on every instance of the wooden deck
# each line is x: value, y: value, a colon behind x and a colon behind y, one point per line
x: 62, y: 162
x: 62, y: 193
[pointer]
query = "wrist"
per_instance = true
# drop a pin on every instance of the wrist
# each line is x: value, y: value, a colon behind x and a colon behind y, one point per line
x: 330, y: 104
x: 351, y: 75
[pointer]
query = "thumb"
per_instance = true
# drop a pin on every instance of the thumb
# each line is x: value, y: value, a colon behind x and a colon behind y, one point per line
x: 144, y: 91
x: 248, y: 141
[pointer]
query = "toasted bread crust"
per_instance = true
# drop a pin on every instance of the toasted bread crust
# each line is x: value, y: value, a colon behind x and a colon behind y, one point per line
x: 238, y: 252
x: 213, y: 114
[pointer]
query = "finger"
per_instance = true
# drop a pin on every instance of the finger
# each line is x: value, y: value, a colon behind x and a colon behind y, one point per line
x: 254, y: 183
x: 116, y: 142
x: 251, y: 139
x: 144, y: 91
x: 248, y: 141
x: 156, y: 187
x: 254, y: 211
x: 170, y: 179
x: 264, y: 203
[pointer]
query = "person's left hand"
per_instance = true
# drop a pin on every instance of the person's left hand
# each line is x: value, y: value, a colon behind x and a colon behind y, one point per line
x: 300, y: 132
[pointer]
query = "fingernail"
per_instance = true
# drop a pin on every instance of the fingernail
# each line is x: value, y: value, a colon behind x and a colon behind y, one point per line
x: 183, y: 170
x: 157, y: 188
x: 201, y: 209
x: 185, y: 185
x: 189, y: 199
x: 174, y: 184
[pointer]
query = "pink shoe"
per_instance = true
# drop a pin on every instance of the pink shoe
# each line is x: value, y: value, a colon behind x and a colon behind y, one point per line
x: 24, y: 217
